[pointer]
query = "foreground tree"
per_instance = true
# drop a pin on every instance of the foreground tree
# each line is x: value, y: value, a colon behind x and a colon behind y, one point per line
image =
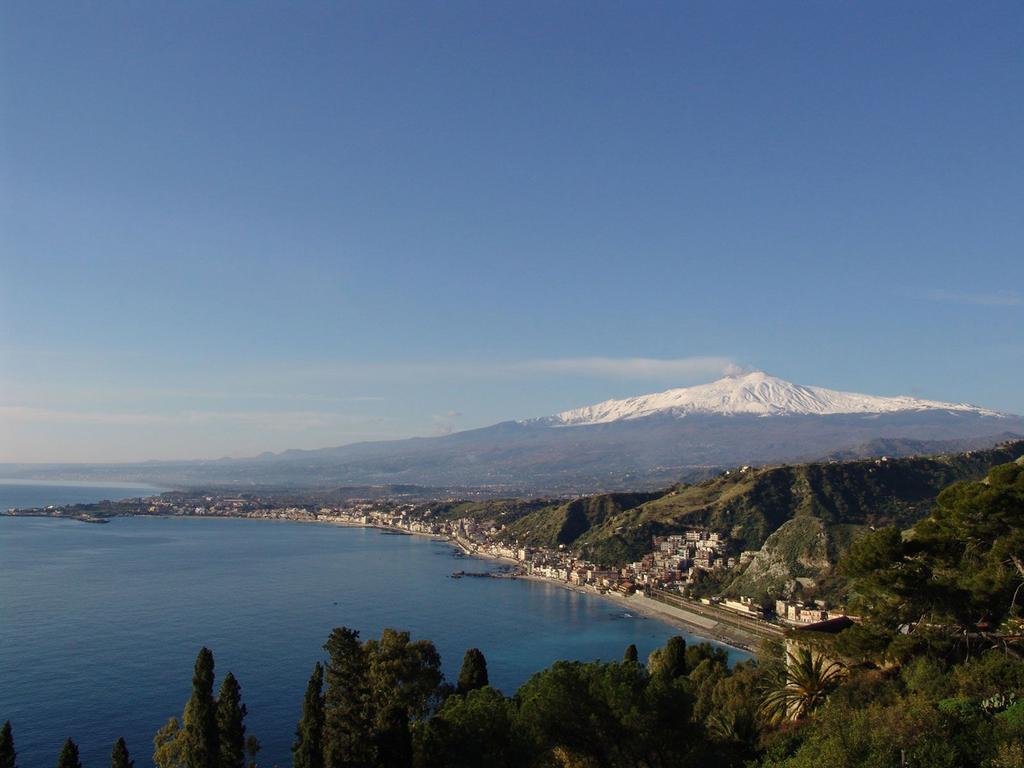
x: 69, y: 756
x: 375, y: 691
x: 169, y: 745
x: 8, y: 757
x: 404, y: 678
x: 956, y: 584
x: 230, y: 724
x: 670, y: 661
x: 473, y: 674
x: 403, y: 672
x: 733, y: 722
x: 611, y: 714
x: 347, y: 703
x: 477, y: 729
x: 631, y: 654
x: 120, y: 758
x: 703, y: 679
x: 307, y: 751
x: 200, y: 719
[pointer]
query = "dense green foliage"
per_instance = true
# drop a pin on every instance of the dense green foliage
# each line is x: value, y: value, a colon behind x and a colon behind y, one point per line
x: 478, y: 729
x: 169, y: 745
x: 608, y: 714
x: 951, y: 585
x: 375, y: 691
x: 670, y: 661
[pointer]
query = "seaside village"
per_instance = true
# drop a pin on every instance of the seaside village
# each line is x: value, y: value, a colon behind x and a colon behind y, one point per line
x: 675, y: 563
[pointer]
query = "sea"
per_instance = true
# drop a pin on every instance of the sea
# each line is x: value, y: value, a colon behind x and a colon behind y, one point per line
x: 100, y: 624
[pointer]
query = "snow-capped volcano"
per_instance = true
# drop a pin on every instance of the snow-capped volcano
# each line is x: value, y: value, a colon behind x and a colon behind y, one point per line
x: 640, y: 443
x: 753, y: 394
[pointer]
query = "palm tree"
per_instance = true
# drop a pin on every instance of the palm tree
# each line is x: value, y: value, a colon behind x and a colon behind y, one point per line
x: 801, y: 686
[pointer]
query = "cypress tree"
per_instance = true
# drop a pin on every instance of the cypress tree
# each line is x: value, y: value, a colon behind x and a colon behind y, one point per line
x: 307, y: 751
x: 200, y: 719
x: 230, y: 728
x: 69, y: 756
x: 120, y: 758
x: 631, y: 654
x: 473, y: 674
x: 8, y: 756
x: 348, y: 715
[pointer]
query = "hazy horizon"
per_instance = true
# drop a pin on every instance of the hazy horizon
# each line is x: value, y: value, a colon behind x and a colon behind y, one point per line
x: 729, y: 372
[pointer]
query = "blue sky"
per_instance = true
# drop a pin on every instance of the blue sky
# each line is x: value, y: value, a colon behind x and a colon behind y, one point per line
x: 235, y: 227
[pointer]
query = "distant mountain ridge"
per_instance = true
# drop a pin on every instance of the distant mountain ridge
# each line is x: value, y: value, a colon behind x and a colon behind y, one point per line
x: 637, y: 444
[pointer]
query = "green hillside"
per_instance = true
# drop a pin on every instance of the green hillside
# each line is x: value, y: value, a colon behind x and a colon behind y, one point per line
x: 500, y: 511
x: 839, y: 498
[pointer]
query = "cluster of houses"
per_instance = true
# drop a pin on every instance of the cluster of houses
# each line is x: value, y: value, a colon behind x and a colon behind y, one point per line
x: 224, y: 506
x: 680, y: 558
x: 675, y: 562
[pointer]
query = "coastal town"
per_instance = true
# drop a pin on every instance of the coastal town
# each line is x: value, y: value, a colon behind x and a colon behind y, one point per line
x: 662, y: 580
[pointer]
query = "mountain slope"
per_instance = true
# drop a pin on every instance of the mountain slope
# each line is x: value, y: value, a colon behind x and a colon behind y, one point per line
x: 822, y: 504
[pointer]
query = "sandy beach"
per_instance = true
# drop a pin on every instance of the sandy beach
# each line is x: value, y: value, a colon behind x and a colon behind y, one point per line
x: 704, y: 627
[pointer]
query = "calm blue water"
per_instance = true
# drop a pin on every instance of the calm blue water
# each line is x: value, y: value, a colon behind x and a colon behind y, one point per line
x: 100, y: 624
x: 28, y: 493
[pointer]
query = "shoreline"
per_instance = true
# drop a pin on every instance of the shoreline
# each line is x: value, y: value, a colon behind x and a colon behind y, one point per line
x: 700, y: 627
x: 695, y: 625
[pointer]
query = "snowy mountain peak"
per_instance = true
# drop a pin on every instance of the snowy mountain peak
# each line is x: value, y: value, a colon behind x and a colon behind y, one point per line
x: 755, y: 394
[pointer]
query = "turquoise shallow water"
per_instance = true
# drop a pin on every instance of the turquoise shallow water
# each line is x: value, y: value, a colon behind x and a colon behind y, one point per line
x: 100, y: 624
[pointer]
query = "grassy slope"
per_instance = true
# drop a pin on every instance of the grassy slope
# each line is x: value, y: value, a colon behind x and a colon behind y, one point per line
x: 751, y: 505
x: 501, y: 511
